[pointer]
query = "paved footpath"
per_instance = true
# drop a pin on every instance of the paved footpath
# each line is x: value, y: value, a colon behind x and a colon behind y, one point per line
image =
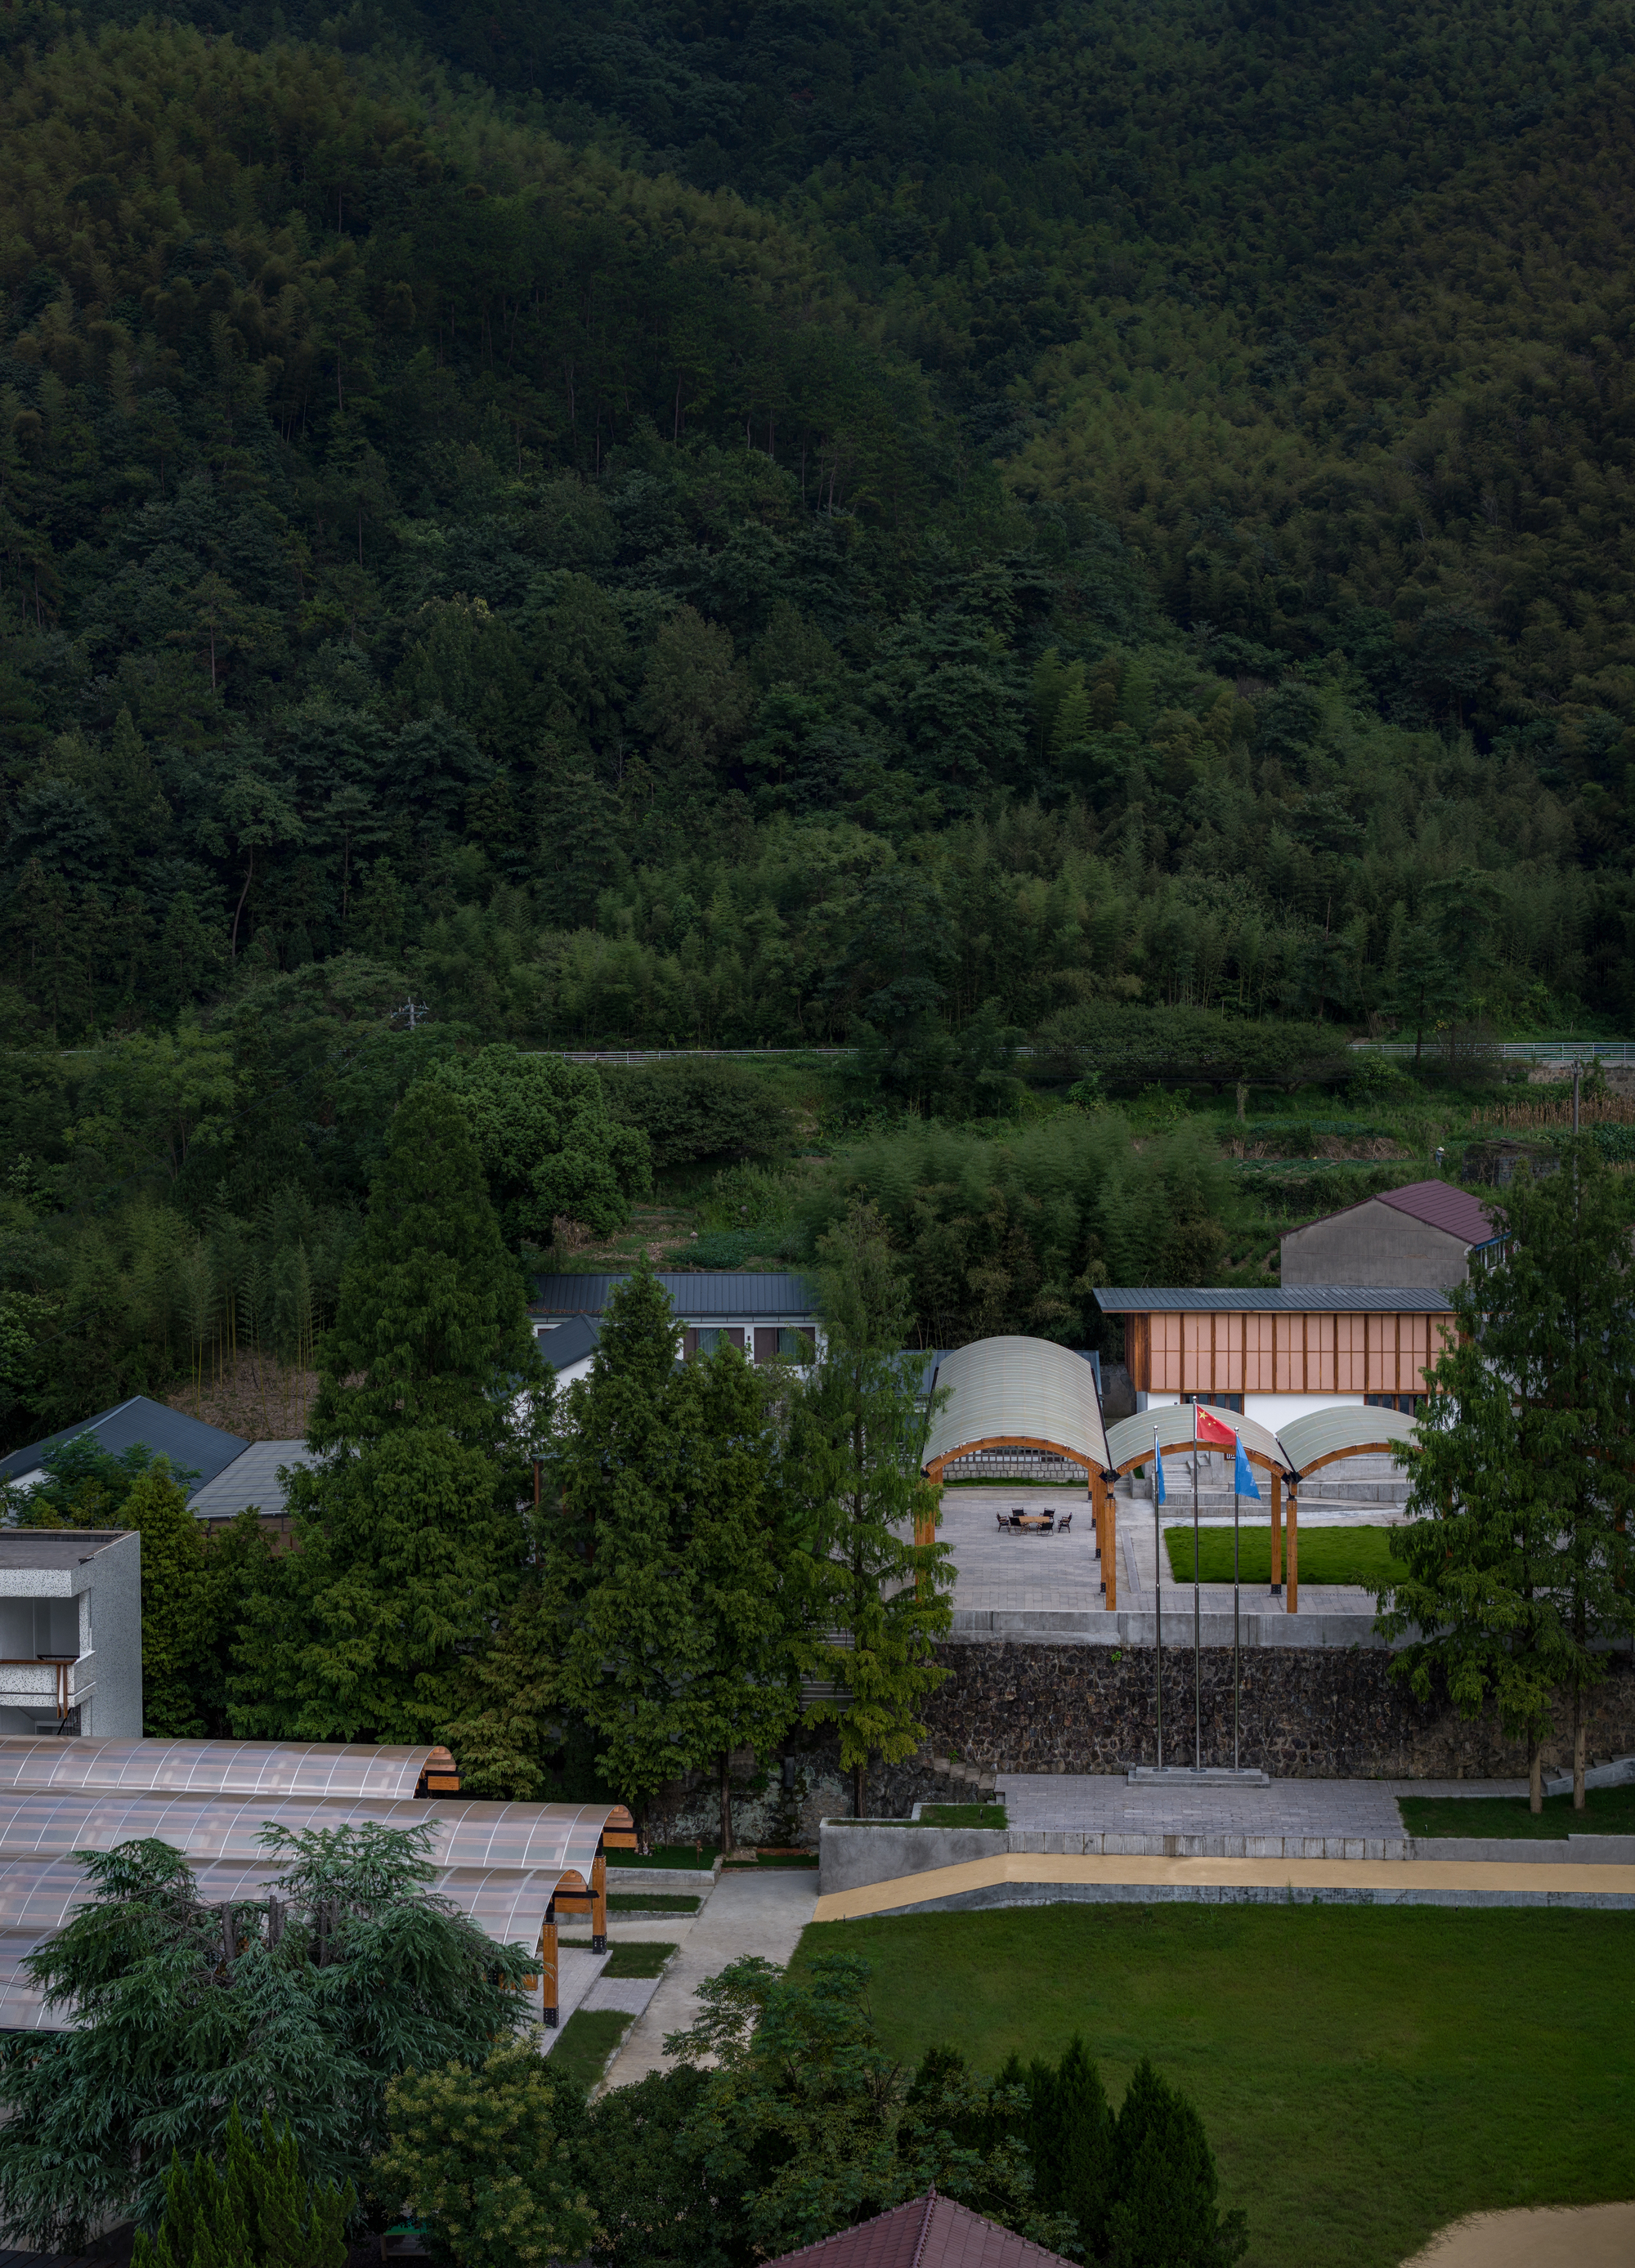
x: 1105, y: 1803
x: 761, y: 1910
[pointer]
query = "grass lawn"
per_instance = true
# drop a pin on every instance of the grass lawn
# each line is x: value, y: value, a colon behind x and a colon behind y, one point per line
x: 961, y: 1815
x: 1328, y: 1555
x: 1366, y: 2074
x: 1607, y: 1811
x: 657, y: 1901
x: 641, y: 1956
x: 588, y: 2038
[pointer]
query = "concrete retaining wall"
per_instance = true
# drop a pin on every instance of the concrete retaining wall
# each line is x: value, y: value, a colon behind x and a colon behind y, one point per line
x: 853, y: 1852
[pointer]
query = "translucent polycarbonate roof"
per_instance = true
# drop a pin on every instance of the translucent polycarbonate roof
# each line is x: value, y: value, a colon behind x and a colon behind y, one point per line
x: 37, y: 1896
x: 1346, y: 1431
x: 1131, y: 1439
x: 227, y: 1830
x: 265, y: 1767
x: 1015, y: 1390
x: 21, y: 2006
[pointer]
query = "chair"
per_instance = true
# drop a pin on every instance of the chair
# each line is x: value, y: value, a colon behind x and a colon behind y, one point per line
x: 1004, y: 1519
x: 1016, y: 1515
x: 1064, y: 1523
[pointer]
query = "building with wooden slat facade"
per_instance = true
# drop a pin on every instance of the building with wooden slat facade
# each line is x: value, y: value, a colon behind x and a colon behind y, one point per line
x: 1278, y: 1355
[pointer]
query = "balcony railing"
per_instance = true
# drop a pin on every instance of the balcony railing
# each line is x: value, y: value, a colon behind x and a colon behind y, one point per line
x: 61, y: 1666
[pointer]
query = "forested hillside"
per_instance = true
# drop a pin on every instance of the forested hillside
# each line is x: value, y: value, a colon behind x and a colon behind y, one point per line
x: 725, y: 527
x: 908, y: 527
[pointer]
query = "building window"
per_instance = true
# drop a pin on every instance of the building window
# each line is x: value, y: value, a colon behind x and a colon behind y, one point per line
x: 1410, y: 1404
x: 1218, y: 1401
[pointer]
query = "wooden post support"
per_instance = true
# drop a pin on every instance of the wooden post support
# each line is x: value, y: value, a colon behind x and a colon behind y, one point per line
x: 1294, y: 1591
x: 1098, y: 1517
x: 1109, y: 1547
x: 599, y: 1907
x: 1276, y: 1530
x: 548, y: 1971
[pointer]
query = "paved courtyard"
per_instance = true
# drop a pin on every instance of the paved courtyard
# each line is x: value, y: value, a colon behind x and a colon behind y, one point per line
x: 1002, y: 1571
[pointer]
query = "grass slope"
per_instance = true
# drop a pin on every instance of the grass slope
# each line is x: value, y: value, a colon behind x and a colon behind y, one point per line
x: 1365, y: 2075
x: 1328, y: 1555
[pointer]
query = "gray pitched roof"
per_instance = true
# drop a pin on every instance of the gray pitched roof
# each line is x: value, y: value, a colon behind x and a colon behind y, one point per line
x: 250, y: 1479
x: 187, y: 1441
x: 698, y: 1294
x: 571, y: 1342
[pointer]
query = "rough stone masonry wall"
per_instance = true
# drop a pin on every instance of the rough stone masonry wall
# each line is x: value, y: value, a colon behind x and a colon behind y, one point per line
x: 1306, y: 1714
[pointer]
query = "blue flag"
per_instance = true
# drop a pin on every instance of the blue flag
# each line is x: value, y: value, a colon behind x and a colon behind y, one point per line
x: 1158, y: 1473
x: 1242, y: 1479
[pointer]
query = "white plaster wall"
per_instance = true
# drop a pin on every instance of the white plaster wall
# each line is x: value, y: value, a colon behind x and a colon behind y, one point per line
x: 1273, y: 1411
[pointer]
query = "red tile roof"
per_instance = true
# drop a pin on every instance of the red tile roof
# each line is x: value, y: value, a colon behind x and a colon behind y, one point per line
x: 928, y: 2232
x: 1440, y: 1205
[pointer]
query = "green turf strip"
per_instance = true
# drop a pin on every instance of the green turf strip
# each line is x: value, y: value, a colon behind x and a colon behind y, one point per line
x: 640, y: 1956
x: 652, y: 1902
x: 588, y: 2038
x: 1328, y: 1555
x: 667, y: 1855
x: 1607, y: 1811
x: 1366, y: 2074
x: 960, y: 1814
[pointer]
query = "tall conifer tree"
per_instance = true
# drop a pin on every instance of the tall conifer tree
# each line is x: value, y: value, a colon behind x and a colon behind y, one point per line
x: 411, y: 1532
x: 879, y: 1600
x: 1516, y: 1553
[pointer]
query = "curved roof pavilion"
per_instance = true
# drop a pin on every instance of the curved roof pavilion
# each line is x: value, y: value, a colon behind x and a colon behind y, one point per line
x: 1173, y: 1426
x: 1324, y: 1436
x: 1016, y: 1393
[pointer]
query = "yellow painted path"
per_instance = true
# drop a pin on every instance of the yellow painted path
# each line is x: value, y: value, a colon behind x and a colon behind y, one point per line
x: 1403, y: 1876
x: 1574, y: 2237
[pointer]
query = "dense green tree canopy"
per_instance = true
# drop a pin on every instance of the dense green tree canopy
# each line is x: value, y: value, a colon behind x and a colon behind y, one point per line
x: 548, y: 1145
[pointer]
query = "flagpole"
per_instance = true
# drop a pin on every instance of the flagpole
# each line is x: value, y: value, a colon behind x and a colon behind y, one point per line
x: 1158, y: 1594
x: 1235, y: 1609
x: 1197, y: 1642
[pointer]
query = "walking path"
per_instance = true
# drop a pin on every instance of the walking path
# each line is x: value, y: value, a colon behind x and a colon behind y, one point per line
x: 1562, y: 2236
x: 760, y: 1911
x: 1106, y: 1804
x: 1028, y: 1878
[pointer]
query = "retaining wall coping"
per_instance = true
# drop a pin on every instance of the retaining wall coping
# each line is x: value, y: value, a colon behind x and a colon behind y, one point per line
x: 1064, y: 1626
x: 1574, y: 1850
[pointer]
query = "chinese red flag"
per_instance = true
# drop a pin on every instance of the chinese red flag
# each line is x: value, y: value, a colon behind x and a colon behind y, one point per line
x: 1208, y: 1428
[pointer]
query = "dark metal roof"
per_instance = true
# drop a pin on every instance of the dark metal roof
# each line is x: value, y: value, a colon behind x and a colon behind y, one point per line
x: 1440, y: 1205
x: 187, y: 1441
x: 571, y: 1342
x: 1300, y: 1299
x: 701, y: 1295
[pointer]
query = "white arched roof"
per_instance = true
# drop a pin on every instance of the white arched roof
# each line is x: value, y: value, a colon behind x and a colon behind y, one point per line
x: 1008, y: 1392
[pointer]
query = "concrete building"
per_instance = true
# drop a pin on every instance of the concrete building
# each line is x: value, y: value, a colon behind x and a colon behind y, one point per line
x: 1279, y: 1355
x: 1429, y: 1233
x: 772, y: 1316
x: 70, y: 1632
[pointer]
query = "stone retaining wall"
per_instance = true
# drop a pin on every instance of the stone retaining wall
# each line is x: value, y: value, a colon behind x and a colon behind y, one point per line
x: 1306, y: 1714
